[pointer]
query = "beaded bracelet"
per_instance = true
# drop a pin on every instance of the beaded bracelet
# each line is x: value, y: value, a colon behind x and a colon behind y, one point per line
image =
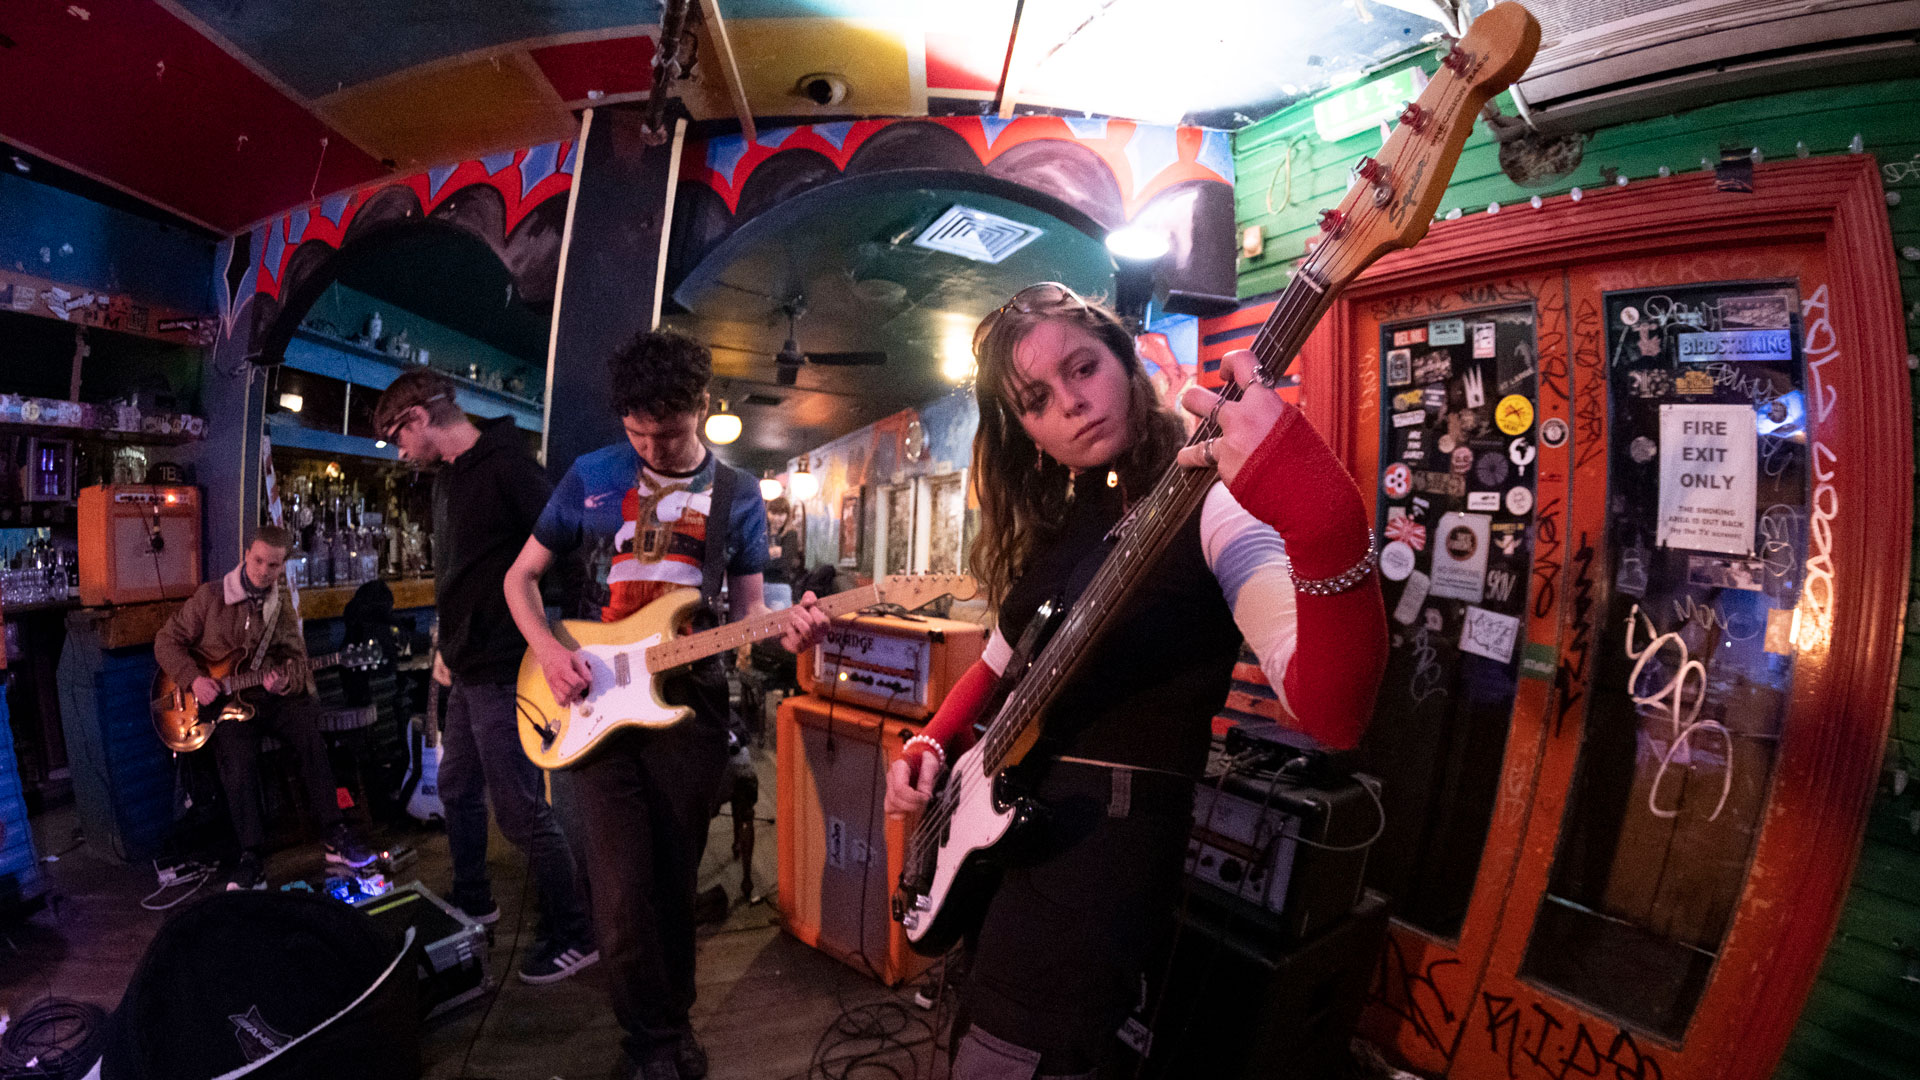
x: 1338, y: 583
x: 938, y: 750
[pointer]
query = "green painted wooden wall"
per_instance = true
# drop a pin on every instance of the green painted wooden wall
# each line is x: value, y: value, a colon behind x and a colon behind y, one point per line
x: 1862, y: 1021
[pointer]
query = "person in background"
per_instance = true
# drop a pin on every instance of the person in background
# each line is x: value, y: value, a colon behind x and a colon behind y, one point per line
x: 650, y: 510
x: 784, y: 563
x: 487, y: 493
x: 249, y: 614
x: 1071, y: 436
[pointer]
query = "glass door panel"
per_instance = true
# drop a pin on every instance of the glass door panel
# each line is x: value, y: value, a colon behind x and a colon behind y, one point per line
x: 1455, y: 511
x: 1707, y: 500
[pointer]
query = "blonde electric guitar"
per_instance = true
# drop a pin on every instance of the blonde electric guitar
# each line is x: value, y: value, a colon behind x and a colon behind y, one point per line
x: 627, y: 659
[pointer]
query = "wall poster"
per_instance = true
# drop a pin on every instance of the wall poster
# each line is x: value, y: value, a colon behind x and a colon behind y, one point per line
x: 1707, y: 521
x: 947, y: 522
x: 1456, y: 497
x: 896, y: 528
x: 850, y: 529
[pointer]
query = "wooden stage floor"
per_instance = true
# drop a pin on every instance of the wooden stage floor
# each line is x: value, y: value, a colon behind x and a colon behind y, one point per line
x: 766, y: 1006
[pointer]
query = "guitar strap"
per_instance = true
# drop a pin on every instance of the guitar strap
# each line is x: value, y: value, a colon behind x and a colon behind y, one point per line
x: 269, y: 613
x: 719, y: 522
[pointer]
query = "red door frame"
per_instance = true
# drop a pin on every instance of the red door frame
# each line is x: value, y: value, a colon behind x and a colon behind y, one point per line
x: 1828, y: 762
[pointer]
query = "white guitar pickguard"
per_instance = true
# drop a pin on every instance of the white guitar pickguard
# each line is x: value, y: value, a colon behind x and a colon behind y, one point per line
x: 975, y: 826
x: 608, y: 704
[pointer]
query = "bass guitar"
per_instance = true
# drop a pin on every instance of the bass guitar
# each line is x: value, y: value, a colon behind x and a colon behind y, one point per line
x: 185, y: 725
x: 627, y: 658
x: 950, y: 865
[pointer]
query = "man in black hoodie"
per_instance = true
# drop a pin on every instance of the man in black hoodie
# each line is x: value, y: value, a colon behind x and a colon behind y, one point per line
x: 486, y: 497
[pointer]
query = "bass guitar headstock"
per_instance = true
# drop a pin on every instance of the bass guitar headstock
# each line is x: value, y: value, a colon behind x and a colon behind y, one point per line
x: 1395, y: 194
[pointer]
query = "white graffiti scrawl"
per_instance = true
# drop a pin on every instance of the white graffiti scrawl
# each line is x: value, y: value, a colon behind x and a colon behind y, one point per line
x: 1822, y: 347
x: 1681, y: 709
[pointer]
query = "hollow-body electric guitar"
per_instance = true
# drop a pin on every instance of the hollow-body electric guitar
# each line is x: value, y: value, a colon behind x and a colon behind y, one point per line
x: 950, y: 864
x: 627, y: 657
x: 185, y: 725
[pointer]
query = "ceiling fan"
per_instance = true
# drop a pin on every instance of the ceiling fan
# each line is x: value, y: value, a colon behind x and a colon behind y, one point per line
x: 790, y: 359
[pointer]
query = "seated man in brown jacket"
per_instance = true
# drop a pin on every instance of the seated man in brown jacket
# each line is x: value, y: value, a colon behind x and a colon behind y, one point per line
x: 249, y: 614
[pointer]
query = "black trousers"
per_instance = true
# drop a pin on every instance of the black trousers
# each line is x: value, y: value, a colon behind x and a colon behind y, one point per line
x: 294, y: 721
x: 1058, y: 960
x: 647, y: 798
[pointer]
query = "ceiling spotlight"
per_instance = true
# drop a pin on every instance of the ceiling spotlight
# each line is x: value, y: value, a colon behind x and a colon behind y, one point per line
x: 770, y: 486
x: 956, y: 359
x: 722, y: 427
x: 803, y: 483
x: 1139, y: 243
x: 291, y: 402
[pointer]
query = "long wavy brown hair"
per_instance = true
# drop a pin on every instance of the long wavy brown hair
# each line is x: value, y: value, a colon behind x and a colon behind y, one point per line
x: 1023, y: 492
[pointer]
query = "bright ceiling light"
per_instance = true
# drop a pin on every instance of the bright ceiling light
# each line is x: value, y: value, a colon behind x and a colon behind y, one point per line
x: 379, y: 444
x: 1138, y: 243
x: 956, y: 356
x: 803, y: 483
x: 723, y: 427
x: 771, y: 487
x: 291, y: 402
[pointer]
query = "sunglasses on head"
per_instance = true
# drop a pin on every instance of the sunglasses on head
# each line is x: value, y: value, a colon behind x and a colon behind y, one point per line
x: 392, y: 434
x: 1046, y: 298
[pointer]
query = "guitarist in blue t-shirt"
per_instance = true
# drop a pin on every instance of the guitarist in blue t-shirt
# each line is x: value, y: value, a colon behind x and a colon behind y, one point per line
x: 648, y: 512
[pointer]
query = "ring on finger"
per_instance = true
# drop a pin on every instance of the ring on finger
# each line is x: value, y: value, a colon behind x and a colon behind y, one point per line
x: 1213, y: 417
x: 1207, y: 455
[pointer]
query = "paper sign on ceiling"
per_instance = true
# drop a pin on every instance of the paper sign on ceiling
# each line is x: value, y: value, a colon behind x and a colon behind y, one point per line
x: 1707, y: 459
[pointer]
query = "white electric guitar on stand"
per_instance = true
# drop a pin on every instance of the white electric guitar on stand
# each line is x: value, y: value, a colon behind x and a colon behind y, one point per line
x: 627, y: 658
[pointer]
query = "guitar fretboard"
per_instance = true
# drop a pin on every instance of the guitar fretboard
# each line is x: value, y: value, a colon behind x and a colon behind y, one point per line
x: 247, y: 680
x: 685, y: 650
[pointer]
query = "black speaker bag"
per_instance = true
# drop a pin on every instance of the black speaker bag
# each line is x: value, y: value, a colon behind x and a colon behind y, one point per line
x: 268, y: 985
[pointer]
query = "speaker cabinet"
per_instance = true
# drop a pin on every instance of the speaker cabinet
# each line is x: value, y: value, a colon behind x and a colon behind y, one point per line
x: 1241, y: 1003
x: 839, y: 852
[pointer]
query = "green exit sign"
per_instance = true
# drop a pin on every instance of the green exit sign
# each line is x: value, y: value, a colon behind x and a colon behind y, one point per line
x: 1351, y: 112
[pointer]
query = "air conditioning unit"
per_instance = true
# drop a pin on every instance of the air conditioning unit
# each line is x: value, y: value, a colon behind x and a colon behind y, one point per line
x: 1604, y: 62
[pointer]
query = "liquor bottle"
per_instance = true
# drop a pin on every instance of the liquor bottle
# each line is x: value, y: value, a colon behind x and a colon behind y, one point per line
x: 339, y: 554
x: 320, y: 557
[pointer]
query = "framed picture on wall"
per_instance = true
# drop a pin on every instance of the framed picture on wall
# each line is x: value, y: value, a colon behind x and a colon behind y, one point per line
x: 850, y: 529
x: 896, y: 529
x: 946, y: 524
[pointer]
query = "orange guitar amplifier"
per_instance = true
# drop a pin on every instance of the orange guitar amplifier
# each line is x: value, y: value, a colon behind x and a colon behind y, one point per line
x: 138, y: 543
x: 901, y: 666
x: 839, y: 852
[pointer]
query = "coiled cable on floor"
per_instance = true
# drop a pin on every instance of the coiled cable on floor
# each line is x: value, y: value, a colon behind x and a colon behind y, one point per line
x: 57, y: 1038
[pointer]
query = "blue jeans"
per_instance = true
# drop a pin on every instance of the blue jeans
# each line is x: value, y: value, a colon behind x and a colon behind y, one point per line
x: 481, y: 756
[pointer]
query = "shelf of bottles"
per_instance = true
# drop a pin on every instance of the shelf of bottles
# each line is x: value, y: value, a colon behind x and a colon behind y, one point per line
x: 44, y: 572
x: 353, y: 521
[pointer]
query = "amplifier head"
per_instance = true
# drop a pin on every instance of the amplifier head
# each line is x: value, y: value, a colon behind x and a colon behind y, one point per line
x: 903, y: 666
